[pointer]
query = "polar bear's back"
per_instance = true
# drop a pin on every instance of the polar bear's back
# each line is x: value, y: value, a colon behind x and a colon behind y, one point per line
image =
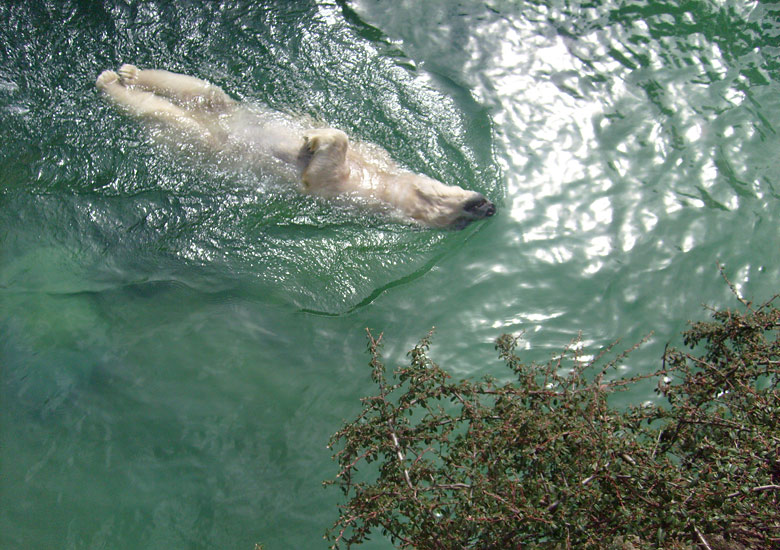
x: 264, y: 139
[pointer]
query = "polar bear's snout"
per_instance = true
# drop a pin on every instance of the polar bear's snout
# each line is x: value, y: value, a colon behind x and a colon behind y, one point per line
x: 475, y: 208
x: 479, y: 207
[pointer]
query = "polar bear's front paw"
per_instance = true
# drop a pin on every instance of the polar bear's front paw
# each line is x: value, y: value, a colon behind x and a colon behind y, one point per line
x: 129, y: 74
x: 324, y: 138
x: 105, y: 79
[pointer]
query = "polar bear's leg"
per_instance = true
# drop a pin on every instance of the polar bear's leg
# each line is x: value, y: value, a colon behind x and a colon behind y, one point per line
x: 188, y: 90
x: 149, y: 105
x: 327, y: 169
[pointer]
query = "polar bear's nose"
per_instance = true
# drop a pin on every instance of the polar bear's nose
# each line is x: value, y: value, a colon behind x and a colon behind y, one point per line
x: 475, y: 208
x: 480, y: 207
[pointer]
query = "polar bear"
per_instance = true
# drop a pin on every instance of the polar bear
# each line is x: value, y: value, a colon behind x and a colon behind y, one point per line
x: 323, y: 160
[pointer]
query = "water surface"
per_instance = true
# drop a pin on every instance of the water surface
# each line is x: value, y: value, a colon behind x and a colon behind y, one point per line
x: 179, y: 338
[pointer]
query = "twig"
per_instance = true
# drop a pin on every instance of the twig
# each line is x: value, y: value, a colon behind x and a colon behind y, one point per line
x: 447, y: 486
x: 701, y: 538
x: 732, y: 287
x: 758, y: 489
x: 401, y: 459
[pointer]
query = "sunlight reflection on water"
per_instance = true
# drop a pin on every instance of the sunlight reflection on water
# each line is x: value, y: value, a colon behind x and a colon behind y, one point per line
x: 621, y: 131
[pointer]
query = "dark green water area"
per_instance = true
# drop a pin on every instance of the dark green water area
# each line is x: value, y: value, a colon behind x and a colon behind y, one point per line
x: 179, y: 337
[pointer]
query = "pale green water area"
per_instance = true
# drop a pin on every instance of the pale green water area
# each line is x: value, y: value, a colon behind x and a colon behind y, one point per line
x: 179, y: 338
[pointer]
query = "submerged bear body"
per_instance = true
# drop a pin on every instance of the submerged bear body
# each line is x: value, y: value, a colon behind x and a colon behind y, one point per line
x: 323, y: 160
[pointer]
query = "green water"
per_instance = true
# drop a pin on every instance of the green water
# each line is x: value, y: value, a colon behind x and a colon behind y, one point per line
x: 178, y: 339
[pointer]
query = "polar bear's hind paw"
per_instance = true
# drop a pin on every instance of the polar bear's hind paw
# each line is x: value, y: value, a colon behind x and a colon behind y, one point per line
x: 128, y: 73
x: 105, y: 79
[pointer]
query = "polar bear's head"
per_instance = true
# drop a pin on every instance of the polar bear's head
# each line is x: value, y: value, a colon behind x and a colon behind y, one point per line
x: 433, y: 203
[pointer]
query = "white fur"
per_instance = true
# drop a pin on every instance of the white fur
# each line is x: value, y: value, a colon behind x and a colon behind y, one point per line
x: 322, y: 159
